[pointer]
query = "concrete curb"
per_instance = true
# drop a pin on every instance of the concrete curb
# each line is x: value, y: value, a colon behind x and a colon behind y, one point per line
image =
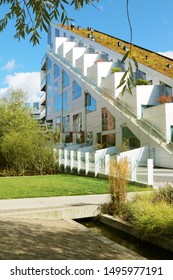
x: 126, y: 227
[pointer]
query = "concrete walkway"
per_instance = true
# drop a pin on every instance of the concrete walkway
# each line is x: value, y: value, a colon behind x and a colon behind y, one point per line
x: 9, y: 205
x: 43, y: 238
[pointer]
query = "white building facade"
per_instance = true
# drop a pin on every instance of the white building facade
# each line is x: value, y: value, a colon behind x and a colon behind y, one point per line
x: 81, y: 99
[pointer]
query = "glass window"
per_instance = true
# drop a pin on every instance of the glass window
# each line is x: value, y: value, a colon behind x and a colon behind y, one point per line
x: 89, y: 138
x: 65, y: 79
x: 76, y: 90
x: 77, y: 122
x: 57, y: 102
x: 165, y: 89
x: 36, y: 105
x: 56, y: 71
x: 66, y: 124
x: 140, y: 75
x: 49, y: 35
x: 90, y: 103
x: 108, y: 121
x: 49, y: 86
x: 48, y: 108
x: 108, y: 140
x: 56, y: 32
x: 49, y: 64
x: 65, y: 101
x: 59, y: 124
x: 72, y: 38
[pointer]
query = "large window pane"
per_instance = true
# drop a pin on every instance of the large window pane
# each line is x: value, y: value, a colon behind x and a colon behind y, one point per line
x: 108, y: 121
x: 56, y: 71
x: 49, y: 86
x: 49, y: 64
x: 90, y: 103
x: 65, y: 79
x: 65, y: 101
x: 66, y: 124
x: 57, y: 100
x: 77, y: 122
x: 76, y: 90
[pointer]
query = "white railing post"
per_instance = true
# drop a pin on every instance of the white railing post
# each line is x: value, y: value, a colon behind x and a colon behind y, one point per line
x: 87, y: 163
x: 78, y: 161
x: 60, y: 157
x: 71, y: 161
x: 107, y: 164
x: 97, y: 164
x: 65, y: 160
x: 150, y: 171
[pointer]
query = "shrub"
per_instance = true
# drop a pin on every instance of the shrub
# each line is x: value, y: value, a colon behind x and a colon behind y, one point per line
x: 151, y: 214
x: 141, y: 82
x: 116, y: 69
x: 164, y: 195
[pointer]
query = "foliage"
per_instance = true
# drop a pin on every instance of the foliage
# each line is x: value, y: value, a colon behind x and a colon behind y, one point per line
x: 165, y: 99
x: 151, y: 214
x: 118, y: 183
x: 24, y: 147
x: 141, y: 82
x: 164, y: 195
x: 32, y: 16
x: 116, y: 69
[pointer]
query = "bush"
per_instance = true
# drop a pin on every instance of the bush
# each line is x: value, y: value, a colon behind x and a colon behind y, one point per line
x: 141, y: 82
x: 116, y: 69
x: 151, y: 214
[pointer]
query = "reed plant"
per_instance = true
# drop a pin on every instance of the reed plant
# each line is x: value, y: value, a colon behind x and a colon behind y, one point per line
x: 118, y: 183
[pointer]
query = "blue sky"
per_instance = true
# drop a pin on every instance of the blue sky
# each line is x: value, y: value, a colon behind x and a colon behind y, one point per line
x: 152, y: 29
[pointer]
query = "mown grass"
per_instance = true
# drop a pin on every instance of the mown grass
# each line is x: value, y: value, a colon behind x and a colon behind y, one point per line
x: 54, y: 185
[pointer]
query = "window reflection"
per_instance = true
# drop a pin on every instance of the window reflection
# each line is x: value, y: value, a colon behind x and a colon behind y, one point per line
x: 65, y: 101
x: 56, y: 71
x: 76, y: 90
x: 49, y: 86
x: 65, y: 79
x: 77, y: 122
x: 58, y: 124
x: 66, y: 124
x: 90, y: 103
x: 108, y: 121
x: 57, y: 100
x: 49, y: 64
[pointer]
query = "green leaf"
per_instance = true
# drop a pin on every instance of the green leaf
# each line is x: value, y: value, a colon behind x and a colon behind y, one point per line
x: 120, y: 84
x: 125, y: 56
x: 124, y: 76
x: 135, y: 61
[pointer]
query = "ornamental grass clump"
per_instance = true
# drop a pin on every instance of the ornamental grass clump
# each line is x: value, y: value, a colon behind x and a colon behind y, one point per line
x: 118, y: 182
x: 152, y: 214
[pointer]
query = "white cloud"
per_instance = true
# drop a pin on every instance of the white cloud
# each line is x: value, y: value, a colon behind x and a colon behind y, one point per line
x: 29, y: 82
x: 10, y: 65
x: 167, y: 54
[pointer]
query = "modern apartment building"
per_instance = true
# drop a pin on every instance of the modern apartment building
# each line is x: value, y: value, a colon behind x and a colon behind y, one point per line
x: 80, y: 74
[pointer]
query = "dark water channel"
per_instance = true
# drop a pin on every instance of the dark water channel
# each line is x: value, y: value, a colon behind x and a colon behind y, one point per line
x: 143, y: 248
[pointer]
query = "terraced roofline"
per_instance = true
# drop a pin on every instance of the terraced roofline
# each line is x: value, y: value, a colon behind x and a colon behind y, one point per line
x: 146, y: 57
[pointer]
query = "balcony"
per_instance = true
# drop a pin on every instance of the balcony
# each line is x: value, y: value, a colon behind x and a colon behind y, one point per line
x: 43, y: 114
x: 43, y: 84
x: 43, y: 63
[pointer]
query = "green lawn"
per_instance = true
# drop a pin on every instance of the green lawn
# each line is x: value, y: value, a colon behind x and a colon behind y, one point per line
x: 53, y: 185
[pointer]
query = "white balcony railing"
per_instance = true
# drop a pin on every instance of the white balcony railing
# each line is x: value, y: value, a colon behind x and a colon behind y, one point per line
x: 43, y: 113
